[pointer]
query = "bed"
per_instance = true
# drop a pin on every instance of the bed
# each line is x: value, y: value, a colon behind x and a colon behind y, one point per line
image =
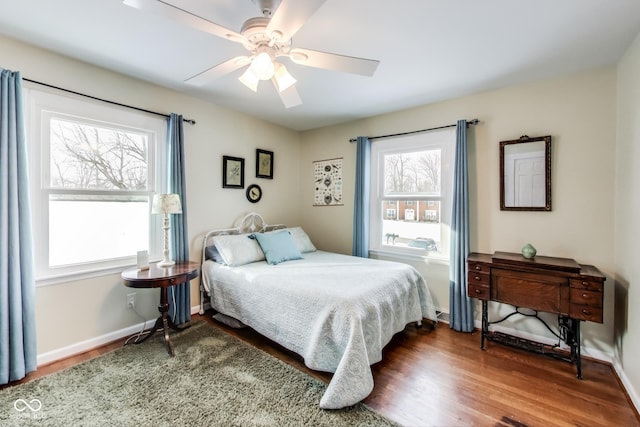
x: 336, y: 311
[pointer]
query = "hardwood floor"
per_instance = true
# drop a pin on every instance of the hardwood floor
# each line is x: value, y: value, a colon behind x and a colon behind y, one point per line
x: 442, y: 378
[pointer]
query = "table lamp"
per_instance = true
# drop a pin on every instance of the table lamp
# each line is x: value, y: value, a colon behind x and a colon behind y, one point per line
x: 166, y: 204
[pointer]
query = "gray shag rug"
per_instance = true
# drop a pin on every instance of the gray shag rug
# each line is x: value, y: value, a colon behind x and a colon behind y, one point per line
x: 213, y: 380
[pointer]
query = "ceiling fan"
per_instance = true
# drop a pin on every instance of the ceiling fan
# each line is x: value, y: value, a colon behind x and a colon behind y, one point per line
x: 267, y: 38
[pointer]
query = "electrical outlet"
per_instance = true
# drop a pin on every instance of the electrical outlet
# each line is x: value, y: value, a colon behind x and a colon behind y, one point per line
x: 131, y: 300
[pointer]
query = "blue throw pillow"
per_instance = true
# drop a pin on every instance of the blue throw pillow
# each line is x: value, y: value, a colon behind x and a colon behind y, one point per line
x: 278, y: 247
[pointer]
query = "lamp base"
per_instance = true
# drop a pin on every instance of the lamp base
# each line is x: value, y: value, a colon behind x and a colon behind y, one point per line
x: 166, y: 263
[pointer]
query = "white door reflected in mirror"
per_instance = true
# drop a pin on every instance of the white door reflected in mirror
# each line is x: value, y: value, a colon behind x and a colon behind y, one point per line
x: 525, y: 174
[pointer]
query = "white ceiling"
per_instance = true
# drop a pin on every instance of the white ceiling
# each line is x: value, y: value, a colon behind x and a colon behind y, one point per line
x: 429, y: 50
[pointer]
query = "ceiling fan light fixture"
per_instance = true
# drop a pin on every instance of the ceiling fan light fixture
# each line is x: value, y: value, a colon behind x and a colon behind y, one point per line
x: 249, y: 79
x: 282, y: 78
x: 262, y: 66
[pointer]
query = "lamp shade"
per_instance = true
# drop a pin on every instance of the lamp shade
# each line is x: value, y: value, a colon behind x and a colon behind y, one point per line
x: 166, y: 204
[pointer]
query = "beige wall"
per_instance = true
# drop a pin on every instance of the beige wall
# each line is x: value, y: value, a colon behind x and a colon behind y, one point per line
x: 84, y: 310
x: 578, y: 111
x: 627, y: 215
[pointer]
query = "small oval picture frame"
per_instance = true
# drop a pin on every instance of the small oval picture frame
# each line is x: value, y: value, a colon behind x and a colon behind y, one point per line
x: 254, y: 193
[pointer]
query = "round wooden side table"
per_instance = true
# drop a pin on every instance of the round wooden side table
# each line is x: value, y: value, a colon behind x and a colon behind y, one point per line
x: 163, y: 278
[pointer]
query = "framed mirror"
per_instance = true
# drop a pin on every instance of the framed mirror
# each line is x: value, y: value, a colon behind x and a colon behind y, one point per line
x: 525, y: 174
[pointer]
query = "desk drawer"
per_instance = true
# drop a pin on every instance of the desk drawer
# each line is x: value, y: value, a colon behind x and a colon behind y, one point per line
x: 585, y: 297
x: 591, y: 285
x: 478, y: 278
x: 478, y: 291
x: 479, y: 267
x: 585, y: 312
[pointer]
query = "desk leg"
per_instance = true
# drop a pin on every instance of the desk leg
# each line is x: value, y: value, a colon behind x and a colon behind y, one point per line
x: 577, y: 344
x: 163, y: 322
x: 485, y: 322
x: 570, y: 334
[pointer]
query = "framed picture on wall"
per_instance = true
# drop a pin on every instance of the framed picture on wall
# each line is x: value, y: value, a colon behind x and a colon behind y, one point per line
x: 327, y: 175
x: 232, y: 172
x: 264, y: 164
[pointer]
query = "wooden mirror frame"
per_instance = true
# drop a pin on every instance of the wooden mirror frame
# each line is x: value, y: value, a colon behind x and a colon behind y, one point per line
x: 547, y: 159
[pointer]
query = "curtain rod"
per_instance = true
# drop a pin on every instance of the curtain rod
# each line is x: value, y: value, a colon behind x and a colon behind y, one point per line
x: 190, y: 121
x: 469, y: 122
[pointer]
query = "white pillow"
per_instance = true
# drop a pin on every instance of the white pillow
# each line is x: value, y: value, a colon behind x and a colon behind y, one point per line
x: 301, y: 239
x: 238, y: 249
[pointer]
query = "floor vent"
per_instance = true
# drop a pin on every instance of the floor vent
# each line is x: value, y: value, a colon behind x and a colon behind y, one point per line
x: 442, y: 316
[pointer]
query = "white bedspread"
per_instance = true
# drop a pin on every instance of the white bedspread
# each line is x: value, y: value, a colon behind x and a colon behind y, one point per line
x: 336, y: 311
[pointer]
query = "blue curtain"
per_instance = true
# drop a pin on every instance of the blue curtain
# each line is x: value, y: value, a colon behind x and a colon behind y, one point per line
x: 361, y: 199
x: 18, y: 354
x: 179, y: 295
x: 460, y: 307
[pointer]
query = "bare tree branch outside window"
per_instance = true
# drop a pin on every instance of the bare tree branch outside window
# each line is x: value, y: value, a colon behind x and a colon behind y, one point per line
x: 413, y: 172
x: 92, y: 157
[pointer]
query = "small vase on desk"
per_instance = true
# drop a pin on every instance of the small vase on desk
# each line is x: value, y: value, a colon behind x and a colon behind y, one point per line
x: 528, y: 251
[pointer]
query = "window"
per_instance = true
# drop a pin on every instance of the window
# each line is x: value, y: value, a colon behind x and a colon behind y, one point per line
x: 412, y: 173
x: 94, y: 169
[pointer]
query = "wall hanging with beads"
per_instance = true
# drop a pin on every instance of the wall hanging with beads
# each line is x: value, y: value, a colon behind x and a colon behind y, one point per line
x: 327, y: 175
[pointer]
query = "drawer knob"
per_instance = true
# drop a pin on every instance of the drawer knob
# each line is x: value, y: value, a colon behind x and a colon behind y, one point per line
x: 477, y: 291
x: 585, y: 311
x: 477, y: 267
x: 585, y: 283
x: 584, y: 295
x: 477, y: 278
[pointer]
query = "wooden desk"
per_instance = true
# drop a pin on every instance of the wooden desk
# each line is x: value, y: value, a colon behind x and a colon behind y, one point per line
x: 163, y: 278
x: 561, y: 286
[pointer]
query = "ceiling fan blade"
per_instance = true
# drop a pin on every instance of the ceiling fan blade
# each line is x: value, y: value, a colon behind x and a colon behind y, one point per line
x: 334, y: 62
x: 291, y: 15
x: 218, y: 71
x: 289, y: 97
x: 167, y: 10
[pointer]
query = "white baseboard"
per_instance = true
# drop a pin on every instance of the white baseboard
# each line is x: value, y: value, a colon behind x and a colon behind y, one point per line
x: 90, y: 344
x: 82, y: 346
x: 631, y: 391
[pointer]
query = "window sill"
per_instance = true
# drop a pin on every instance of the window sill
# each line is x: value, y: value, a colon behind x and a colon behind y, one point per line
x: 81, y: 275
x: 407, y: 256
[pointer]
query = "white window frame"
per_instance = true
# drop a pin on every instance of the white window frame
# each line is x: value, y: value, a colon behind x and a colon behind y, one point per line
x: 43, y: 105
x: 444, y: 140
